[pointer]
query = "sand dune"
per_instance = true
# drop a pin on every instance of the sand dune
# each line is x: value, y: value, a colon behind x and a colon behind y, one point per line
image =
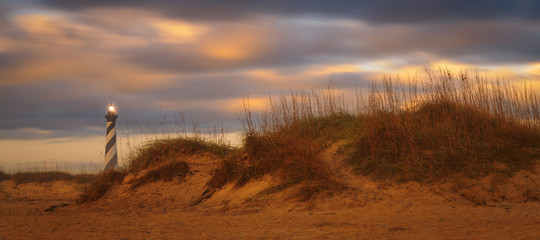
x: 481, y: 209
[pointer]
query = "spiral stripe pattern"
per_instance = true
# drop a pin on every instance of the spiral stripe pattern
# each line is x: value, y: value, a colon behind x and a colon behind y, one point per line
x: 111, y: 156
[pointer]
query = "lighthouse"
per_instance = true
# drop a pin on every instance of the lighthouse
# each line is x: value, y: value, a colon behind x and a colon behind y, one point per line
x: 111, y: 156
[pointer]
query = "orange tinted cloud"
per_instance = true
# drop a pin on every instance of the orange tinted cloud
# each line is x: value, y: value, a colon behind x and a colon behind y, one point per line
x: 57, y: 48
x: 232, y: 105
x: 533, y: 69
x: 99, y: 68
x: 330, y: 69
x: 45, y: 31
x: 240, y: 43
x: 171, y: 31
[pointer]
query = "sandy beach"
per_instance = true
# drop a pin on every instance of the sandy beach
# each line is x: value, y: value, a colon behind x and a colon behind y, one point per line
x: 368, y: 210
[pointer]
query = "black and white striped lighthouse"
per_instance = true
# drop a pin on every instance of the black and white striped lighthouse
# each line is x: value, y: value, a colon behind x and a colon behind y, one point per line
x: 111, y: 157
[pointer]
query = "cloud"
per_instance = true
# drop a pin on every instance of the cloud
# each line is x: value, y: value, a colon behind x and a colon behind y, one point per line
x: 534, y: 69
x: 488, y: 41
x: 265, y: 42
x: 300, y: 43
x: 149, y: 49
x: 382, y: 11
x: 2, y: 17
x: 49, y: 106
x: 50, y: 48
x: 415, y: 11
x: 58, y: 69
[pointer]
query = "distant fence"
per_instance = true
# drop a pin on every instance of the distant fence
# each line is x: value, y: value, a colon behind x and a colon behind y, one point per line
x: 69, y: 167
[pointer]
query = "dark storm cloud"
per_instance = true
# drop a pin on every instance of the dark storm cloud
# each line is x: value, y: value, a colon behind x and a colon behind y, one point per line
x: 370, y: 10
x: 187, y: 60
x: 489, y: 41
x: 299, y: 45
x: 176, y: 58
x: 48, y: 106
x: 430, y: 11
x: 2, y: 17
x: 208, y: 87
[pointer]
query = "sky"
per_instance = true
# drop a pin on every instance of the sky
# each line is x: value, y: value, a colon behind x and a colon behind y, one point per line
x: 62, y: 62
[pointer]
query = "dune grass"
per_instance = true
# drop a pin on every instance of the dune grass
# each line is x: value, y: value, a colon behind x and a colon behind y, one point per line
x: 100, y: 186
x: 166, y: 172
x: 170, y: 149
x: 442, y: 139
x: 288, y: 140
x: 447, y: 125
x: 165, y: 157
x: 4, y: 176
x: 160, y: 159
x: 44, y: 177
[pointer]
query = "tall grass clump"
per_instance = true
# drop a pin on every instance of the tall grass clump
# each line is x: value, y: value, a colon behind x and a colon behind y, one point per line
x: 287, y: 140
x: 173, y: 149
x: 104, y: 182
x: 443, y: 126
x: 447, y: 125
x: 162, y: 157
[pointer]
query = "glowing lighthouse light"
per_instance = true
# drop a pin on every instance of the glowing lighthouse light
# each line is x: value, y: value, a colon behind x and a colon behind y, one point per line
x: 111, y: 157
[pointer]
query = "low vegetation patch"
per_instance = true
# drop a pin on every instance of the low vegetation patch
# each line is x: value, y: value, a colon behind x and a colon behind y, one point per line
x: 43, y: 177
x: 288, y: 142
x: 445, y: 126
x: 161, y: 159
x: 101, y: 186
x: 4, y: 176
x: 170, y: 149
x: 442, y: 139
x: 166, y: 172
x: 40, y: 177
x: 448, y: 126
x: 295, y: 158
x: 229, y: 169
x: 84, y: 178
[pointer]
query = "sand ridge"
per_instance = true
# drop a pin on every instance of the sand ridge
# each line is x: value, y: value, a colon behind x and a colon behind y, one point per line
x: 366, y: 210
